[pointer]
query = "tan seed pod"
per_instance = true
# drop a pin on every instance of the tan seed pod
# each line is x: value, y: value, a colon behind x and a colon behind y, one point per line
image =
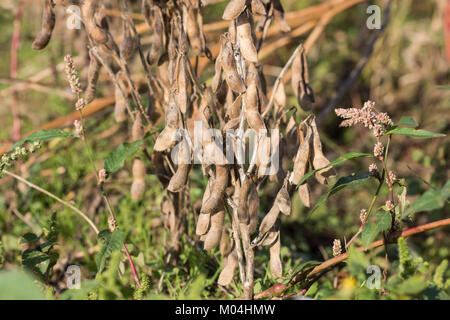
x: 137, y: 131
x: 303, y: 154
x: 204, y: 218
x: 225, y: 244
x: 193, y: 30
x: 120, y: 107
x: 271, y: 236
x: 244, y: 35
x: 138, y: 185
x: 128, y: 45
x: 158, y: 36
x: 179, y: 179
x: 253, y: 207
x: 278, y: 14
x: 217, y: 190
x: 276, y: 267
x: 267, y: 223
x: 182, y: 82
x: 166, y: 138
x: 242, y: 211
x: 258, y: 8
x: 319, y: 159
x: 215, y: 230
x: 283, y: 200
x: 226, y: 275
x: 48, y: 24
x: 232, y: 32
x: 233, y: 9
x: 94, y: 30
x: 93, y: 74
x: 300, y: 82
x: 303, y: 192
x: 279, y: 97
x: 231, y: 74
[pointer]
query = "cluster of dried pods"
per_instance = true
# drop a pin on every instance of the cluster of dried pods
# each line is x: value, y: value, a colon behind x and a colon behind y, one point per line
x: 236, y: 99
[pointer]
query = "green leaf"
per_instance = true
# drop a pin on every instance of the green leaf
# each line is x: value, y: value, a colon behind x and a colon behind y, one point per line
x: 29, y: 238
x: 369, y: 233
x: 407, y: 121
x: 342, y: 183
x: 384, y: 220
x: 303, y: 269
x: 19, y: 285
x: 43, y: 135
x: 357, y: 261
x: 35, y: 260
x: 430, y: 200
x: 115, y: 160
x: 444, y: 87
x: 111, y: 242
x: 335, y: 163
x: 348, y: 181
x: 415, y: 133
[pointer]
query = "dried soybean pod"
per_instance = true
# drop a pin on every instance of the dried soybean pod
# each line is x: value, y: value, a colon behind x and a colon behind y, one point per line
x: 138, y: 185
x: 233, y: 9
x: 217, y: 190
x: 232, y: 32
x: 278, y: 14
x: 182, y: 82
x: 93, y: 74
x: 244, y: 35
x: 276, y: 267
x: 242, y: 211
x: 204, y: 218
x: 48, y: 24
x: 120, y: 107
x: 128, y: 45
x: 179, y: 179
x: 319, y: 159
x: 258, y: 8
x: 158, y: 36
x: 303, y: 192
x: 283, y: 200
x: 303, y: 154
x: 193, y: 30
x: 268, y: 221
x: 279, y: 97
x: 137, y: 131
x: 167, y: 137
x: 226, y: 275
x: 215, y: 230
x: 232, y: 77
x: 94, y: 30
x: 160, y: 169
x: 253, y: 206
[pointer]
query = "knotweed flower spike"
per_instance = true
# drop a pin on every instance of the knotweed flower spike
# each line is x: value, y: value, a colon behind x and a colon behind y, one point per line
x: 72, y: 75
x: 101, y: 176
x: 363, y: 215
x: 373, y: 168
x: 78, y: 128
x: 337, y: 249
x: 389, y: 205
x: 378, y: 150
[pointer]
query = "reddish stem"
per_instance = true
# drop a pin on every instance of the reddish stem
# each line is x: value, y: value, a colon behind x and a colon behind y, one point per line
x: 133, y: 268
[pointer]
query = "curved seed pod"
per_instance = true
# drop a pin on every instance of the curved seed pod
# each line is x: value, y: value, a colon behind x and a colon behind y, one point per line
x: 303, y: 154
x: 283, y: 200
x: 266, y: 224
x: 137, y: 131
x: 220, y: 183
x: 279, y: 97
x: 48, y: 24
x: 120, y: 107
x: 254, y: 118
x: 303, y: 192
x: 232, y: 32
x: 158, y: 36
x: 204, y: 218
x: 94, y: 30
x: 182, y: 82
x: 193, y: 31
x: 226, y: 275
x: 232, y: 77
x: 179, y: 179
x: 129, y: 44
x: 258, y: 8
x: 217, y: 78
x: 244, y: 35
x: 278, y: 14
x: 93, y: 74
x: 276, y: 267
x: 166, y: 138
x: 168, y: 210
x: 160, y: 169
x: 300, y: 82
x: 242, y: 211
x: 253, y: 206
x: 233, y: 110
x: 319, y: 159
x: 138, y: 185
x: 233, y: 9
x: 215, y: 231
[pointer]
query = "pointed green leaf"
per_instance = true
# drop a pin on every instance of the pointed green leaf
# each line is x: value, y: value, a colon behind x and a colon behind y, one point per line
x: 335, y: 163
x: 430, y: 200
x: 407, y: 121
x: 384, y: 220
x: 116, y: 159
x: 369, y: 233
x: 415, y: 133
